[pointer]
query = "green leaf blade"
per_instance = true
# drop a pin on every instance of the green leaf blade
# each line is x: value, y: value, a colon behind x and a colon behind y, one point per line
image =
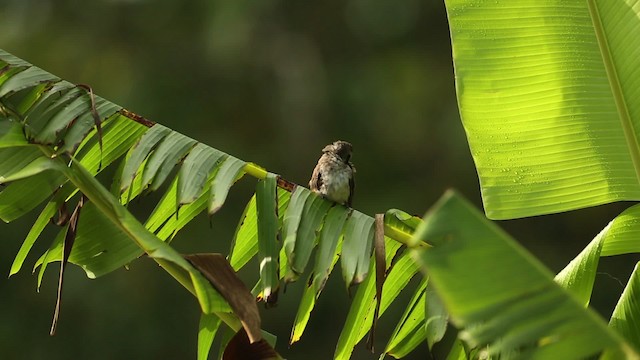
x: 194, y: 172
x: 626, y: 315
x: 315, y: 209
x: 327, y: 246
x: 145, y: 145
x: 31, y: 76
x: 172, y: 148
x: 511, y: 307
x: 230, y: 171
x: 537, y: 107
x: 268, y: 242
x: 207, y: 329
x: 356, y: 248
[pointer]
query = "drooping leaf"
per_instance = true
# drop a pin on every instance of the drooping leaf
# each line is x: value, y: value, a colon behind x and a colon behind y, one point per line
x: 292, y: 219
x: 195, y: 171
x: 580, y: 274
x: 230, y: 171
x: 42, y: 113
x: 312, y: 292
x: 626, y: 315
x: 513, y: 307
x: 245, y: 240
x: 145, y: 145
x: 268, y: 242
x: 360, y: 317
x: 67, y: 246
x: 172, y: 148
x: 411, y: 329
x: 314, y: 211
x: 29, y: 77
x: 221, y: 275
x: 207, y: 328
x: 85, y: 122
x: 41, y: 222
x: 327, y: 246
x: 356, y: 249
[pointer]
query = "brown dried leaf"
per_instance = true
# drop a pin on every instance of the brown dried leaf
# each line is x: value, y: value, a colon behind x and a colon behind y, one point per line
x: 239, y: 348
x: 69, y: 239
x: 221, y: 275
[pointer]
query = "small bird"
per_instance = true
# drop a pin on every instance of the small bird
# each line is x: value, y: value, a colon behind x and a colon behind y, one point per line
x: 333, y: 177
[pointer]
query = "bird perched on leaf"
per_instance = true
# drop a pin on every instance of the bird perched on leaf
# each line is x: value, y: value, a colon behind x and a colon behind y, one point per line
x: 333, y: 177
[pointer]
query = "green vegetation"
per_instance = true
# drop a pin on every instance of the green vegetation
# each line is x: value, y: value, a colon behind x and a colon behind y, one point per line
x: 548, y: 98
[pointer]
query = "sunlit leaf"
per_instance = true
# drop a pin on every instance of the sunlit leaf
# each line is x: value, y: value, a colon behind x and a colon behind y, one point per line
x: 411, y: 330
x: 514, y: 306
x: 207, y: 328
x: 549, y: 102
x: 626, y: 315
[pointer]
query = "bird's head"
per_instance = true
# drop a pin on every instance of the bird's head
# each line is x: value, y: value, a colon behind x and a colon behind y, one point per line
x: 341, y: 148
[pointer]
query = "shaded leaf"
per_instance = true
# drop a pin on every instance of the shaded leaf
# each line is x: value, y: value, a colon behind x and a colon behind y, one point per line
x: 327, y: 246
x: 172, y: 148
x: 195, y: 171
x: 13, y: 160
x: 230, y: 171
x: 145, y: 145
x: 314, y: 211
x: 268, y: 242
x: 35, y: 167
x: 11, y: 134
x: 29, y: 77
x: 436, y: 317
x: 85, y: 122
x: 356, y: 249
x: 291, y: 221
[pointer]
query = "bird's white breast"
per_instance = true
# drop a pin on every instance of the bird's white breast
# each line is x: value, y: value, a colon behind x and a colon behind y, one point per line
x: 335, y: 183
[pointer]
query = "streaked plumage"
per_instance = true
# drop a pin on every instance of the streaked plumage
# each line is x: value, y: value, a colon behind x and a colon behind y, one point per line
x: 333, y: 176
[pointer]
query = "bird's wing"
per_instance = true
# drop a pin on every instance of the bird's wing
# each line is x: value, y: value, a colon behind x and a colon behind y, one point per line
x: 316, y: 179
x: 352, y: 188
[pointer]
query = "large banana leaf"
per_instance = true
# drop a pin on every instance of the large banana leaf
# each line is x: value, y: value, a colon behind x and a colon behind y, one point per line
x: 503, y: 300
x: 549, y: 97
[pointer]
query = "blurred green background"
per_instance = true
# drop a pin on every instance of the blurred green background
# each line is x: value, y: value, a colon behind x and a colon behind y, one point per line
x: 270, y: 82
